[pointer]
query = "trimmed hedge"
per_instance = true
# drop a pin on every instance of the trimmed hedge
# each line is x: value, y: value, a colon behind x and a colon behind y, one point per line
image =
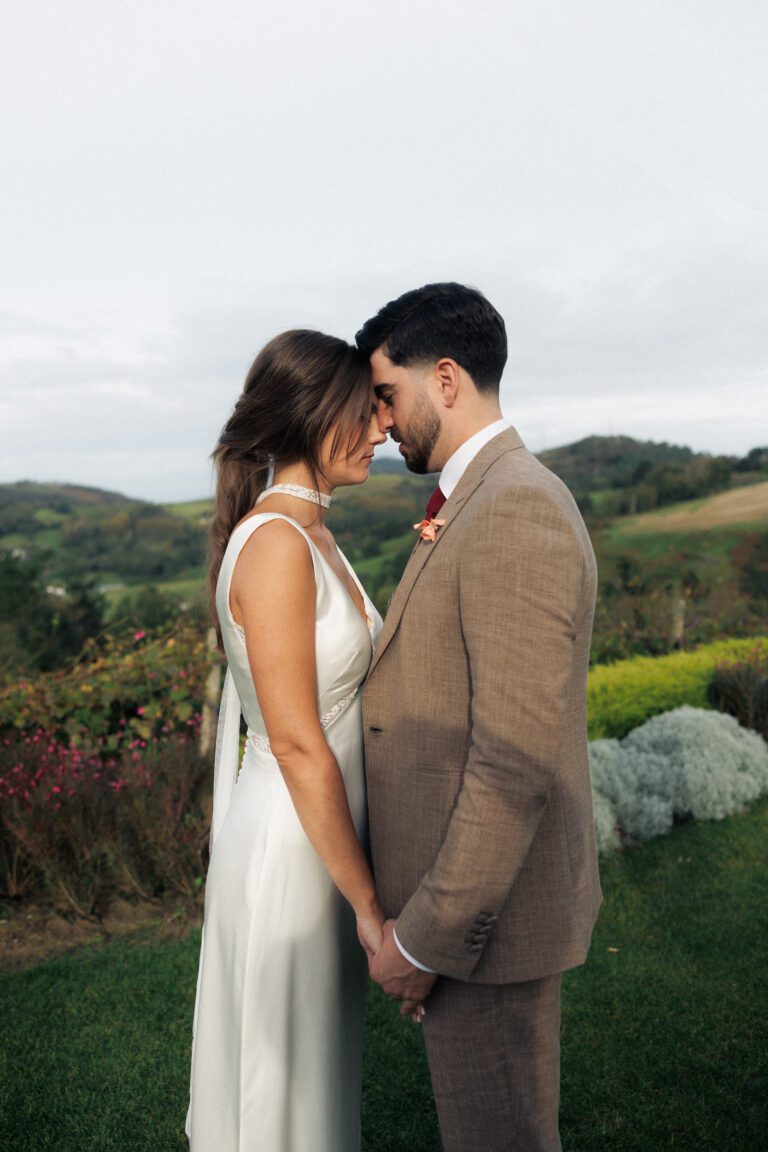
x: 622, y: 696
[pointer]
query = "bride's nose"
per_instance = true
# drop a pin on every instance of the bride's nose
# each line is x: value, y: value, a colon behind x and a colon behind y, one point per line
x: 375, y: 434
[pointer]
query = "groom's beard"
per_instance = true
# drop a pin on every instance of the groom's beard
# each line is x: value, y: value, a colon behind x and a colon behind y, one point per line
x: 420, y: 437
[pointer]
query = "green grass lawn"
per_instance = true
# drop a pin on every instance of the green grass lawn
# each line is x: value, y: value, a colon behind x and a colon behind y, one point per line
x: 665, y: 1043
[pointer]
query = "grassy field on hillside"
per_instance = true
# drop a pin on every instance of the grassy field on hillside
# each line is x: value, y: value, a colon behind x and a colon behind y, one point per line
x: 683, y: 575
x: 664, y: 1033
x: 747, y: 506
x: 709, y: 550
x: 709, y: 556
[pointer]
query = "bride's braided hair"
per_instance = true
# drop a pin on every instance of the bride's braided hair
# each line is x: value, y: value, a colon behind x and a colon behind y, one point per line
x: 300, y: 387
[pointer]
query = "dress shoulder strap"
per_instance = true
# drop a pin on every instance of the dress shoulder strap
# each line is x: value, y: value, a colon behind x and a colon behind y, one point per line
x: 237, y: 541
x: 230, y: 709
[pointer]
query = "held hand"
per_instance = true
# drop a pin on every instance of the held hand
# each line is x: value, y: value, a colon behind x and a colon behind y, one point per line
x: 397, y: 976
x: 369, y: 930
x: 412, y: 1009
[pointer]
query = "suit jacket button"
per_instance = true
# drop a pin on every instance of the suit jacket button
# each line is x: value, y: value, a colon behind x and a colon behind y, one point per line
x: 372, y: 728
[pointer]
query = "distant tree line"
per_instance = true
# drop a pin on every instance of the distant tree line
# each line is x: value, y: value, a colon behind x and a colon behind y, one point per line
x: 44, y: 627
x: 59, y: 544
x: 618, y: 476
x: 362, y: 525
x: 78, y: 532
x: 140, y: 542
x: 692, y: 591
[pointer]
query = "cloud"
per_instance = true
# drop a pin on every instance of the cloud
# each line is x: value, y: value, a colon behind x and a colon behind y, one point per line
x: 184, y: 182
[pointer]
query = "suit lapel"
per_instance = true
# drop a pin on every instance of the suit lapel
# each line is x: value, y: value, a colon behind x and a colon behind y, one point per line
x: 506, y: 441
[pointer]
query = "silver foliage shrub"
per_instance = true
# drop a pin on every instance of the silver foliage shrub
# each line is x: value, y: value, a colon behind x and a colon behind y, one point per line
x: 686, y: 763
x: 606, y: 827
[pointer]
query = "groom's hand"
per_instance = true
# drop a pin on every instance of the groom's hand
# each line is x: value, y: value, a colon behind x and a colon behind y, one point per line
x: 397, y: 976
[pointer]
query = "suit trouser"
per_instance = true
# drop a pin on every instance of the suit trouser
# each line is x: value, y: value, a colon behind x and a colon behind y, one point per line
x: 494, y: 1058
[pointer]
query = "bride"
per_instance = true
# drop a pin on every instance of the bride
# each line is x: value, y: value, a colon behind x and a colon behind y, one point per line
x: 290, y: 899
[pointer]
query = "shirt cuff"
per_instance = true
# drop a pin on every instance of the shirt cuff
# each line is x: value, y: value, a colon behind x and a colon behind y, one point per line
x: 411, y: 959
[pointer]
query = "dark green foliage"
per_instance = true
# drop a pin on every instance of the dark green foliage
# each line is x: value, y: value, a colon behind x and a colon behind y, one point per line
x: 618, y: 476
x: 741, y: 689
x: 43, y: 627
x: 373, y: 525
x: 102, y: 787
x: 659, y: 591
x: 142, y: 541
x: 756, y: 460
x: 148, y: 609
x: 663, y: 1043
x: 76, y: 532
x: 750, y: 557
x: 365, y: 517
x: 599, y: 462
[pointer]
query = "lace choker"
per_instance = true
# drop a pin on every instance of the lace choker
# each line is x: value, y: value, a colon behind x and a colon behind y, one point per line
x: 299, y: 492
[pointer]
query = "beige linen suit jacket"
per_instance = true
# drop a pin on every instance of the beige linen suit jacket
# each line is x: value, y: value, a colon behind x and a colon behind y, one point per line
x: 479, y: 795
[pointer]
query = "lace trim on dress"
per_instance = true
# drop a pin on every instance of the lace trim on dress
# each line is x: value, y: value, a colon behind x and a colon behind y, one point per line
x: 259, y: 739
x: 261, y: 742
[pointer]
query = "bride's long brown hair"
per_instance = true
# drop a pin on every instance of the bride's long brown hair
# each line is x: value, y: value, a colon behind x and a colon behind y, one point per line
x: 301, y: 386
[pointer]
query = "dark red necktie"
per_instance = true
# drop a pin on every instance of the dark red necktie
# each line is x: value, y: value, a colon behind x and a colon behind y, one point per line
x: 436, y: 501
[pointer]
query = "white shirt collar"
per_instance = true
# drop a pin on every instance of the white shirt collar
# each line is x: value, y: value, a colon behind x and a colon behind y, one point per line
x: 456, y: 465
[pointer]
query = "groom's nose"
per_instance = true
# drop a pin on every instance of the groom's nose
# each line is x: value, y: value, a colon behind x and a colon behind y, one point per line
x: 384, y: 416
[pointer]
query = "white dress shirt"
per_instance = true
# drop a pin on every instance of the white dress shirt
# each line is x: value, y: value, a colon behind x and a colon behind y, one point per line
x: 453, y: 470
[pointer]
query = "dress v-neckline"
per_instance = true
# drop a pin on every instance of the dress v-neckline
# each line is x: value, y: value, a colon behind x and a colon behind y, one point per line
x: 366, y: 619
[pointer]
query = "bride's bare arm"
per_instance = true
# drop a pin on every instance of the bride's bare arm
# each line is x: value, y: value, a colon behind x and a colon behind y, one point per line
x: 273, y: 597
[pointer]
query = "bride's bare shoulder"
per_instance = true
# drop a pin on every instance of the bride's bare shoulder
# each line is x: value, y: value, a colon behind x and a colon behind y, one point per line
x: 274, y: 548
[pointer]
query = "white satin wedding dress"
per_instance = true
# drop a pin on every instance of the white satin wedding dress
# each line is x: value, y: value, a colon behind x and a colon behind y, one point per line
x: 278, y: 1029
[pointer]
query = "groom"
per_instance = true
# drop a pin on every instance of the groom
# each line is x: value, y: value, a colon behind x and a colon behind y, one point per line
x: 475, y: 732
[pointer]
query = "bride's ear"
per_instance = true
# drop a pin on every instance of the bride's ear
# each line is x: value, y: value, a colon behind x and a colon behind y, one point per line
x: 448, y: 379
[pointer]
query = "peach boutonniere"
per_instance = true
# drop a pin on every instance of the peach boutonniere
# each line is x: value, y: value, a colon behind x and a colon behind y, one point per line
x: 428, y: 529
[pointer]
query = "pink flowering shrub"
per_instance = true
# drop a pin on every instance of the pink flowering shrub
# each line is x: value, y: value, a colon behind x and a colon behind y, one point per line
x: 85, y: 826
x: 102, y: 787
x: 117, y: 694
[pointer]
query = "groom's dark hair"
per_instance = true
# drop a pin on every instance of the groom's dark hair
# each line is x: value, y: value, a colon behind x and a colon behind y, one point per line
x: 441, y: 320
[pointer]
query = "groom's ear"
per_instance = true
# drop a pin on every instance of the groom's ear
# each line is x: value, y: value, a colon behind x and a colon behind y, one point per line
x: 448, y: 379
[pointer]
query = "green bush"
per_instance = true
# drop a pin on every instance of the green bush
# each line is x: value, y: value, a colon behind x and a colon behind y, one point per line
x: 102, y: 785
x: 119, y: 693
x: 622, y: 696
x: 741, y: 688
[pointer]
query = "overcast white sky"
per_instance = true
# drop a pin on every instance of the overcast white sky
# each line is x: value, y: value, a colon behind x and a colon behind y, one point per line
x: 182, y: 180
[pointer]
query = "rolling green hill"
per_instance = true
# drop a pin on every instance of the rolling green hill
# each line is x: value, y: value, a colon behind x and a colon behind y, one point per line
x: 689, y: 573
x: 605, y: 462
x: 74, y: 532
x: 618, y: 476
x: 683, y: 572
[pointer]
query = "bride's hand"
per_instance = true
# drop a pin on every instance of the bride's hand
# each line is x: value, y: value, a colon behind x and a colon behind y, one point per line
x: 369, y: 929
x: 414, y: 1009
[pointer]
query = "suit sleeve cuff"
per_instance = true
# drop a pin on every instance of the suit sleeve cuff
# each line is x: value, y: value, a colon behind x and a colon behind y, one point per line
x: 409, y: 958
